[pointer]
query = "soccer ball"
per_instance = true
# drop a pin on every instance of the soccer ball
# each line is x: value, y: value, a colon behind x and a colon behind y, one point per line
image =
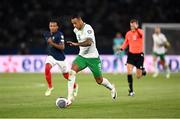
x: 61, y: 102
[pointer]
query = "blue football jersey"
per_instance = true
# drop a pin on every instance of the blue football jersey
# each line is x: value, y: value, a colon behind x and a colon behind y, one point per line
x: 57, y: 38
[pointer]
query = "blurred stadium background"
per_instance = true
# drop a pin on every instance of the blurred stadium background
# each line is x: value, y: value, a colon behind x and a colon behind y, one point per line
x: 22, y: 22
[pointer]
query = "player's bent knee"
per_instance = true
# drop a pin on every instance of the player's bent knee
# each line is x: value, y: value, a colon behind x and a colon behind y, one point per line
x: 99, y: 80
x: 138, y: 76
x: 129, y: 73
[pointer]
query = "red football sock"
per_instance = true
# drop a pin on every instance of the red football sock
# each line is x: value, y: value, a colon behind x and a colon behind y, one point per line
x: 48, y: 74
x: 66, y: 75
x: 74, y: 85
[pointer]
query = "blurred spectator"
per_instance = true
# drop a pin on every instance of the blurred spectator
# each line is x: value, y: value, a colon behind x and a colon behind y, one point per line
x: 23, y: 21
x: 117, y: 42
x: 23, y: 50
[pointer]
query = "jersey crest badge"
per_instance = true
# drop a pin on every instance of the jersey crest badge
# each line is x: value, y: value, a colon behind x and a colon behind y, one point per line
x: 89, y: 31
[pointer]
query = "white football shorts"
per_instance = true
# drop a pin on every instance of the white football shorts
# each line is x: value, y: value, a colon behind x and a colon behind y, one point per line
x: 61, y: 64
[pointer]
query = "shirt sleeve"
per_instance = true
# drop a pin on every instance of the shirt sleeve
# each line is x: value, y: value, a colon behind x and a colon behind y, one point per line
x: 140, y: 32
x: 89, y: 32
x: 62, y: 38
x: 45, y: 36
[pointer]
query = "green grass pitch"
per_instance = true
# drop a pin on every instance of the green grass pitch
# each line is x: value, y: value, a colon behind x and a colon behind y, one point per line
x: 22, y: 96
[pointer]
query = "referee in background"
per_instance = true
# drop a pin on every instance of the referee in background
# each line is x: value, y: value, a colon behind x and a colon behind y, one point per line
x: 134, y: 39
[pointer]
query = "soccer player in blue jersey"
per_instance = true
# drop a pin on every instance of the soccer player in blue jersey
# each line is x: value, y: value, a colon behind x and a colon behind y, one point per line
x: 56, y: 56
x: 117, y: 42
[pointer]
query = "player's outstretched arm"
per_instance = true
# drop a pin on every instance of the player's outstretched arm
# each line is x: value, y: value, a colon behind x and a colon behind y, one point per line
x: 85, y: 43
x: 72, y: 43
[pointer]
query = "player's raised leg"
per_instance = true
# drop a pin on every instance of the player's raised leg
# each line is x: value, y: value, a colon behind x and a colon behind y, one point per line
x: 95, y: 66
x: 105, y: 82
x: 140, y: 70
x: 138, y: 73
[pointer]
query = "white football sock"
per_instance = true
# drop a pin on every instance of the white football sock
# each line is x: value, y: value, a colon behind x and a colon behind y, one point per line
x: 71, y: 82
x: 107, y: 84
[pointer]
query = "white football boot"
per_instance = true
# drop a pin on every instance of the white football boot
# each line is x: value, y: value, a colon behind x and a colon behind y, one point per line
x: 155, y: 74
x: 168, y: 75
x: 131, y: 93
x: 48, y: 91
x: 113, y: 92
x: 70, y: 99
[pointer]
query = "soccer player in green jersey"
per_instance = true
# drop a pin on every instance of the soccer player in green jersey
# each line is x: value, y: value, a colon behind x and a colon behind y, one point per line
x: 88, y: 57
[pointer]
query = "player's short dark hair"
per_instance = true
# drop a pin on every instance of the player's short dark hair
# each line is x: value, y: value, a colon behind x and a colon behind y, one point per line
x: 75, y: 16
x: 134, y: 20
x: 56, y: 20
